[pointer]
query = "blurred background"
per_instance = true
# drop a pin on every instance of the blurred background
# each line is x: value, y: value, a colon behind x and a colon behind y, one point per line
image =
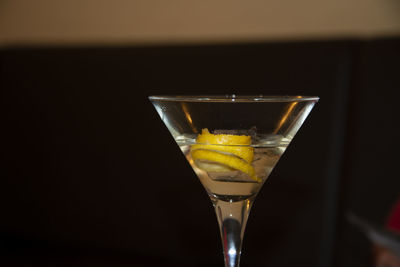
x: 90, y: 175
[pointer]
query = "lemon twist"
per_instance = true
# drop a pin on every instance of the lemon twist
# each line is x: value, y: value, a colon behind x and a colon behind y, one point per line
x: 230, y: 151
x: 245, y: 153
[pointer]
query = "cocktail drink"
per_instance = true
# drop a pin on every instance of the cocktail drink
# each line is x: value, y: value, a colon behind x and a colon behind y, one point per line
x: 232, y: 144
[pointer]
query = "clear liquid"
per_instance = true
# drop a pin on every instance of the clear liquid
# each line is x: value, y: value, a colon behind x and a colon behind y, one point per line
x: 234, y: 185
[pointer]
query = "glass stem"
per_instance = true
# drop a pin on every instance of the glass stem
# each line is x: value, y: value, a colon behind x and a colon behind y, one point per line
x: 232, y: 218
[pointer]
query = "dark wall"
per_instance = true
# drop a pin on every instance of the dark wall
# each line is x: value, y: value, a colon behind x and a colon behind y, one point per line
x: 90, y: 174
x: 370, y: 183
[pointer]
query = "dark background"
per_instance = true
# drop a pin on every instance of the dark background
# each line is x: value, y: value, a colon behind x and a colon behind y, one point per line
x: 90, y: 175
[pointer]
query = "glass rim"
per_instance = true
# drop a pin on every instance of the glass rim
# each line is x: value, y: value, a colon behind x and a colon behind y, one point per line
x: 233, y: 98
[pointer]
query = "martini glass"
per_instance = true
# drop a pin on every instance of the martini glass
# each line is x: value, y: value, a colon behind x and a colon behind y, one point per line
x: 233, y: 143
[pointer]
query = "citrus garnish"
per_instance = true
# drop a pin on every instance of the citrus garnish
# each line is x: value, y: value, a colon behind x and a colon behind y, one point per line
x: 224, y: 139
x: 224, y: 152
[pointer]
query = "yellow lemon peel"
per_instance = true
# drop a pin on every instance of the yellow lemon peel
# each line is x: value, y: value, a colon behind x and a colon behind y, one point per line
x: 226, y: 139
x: 245, y: 153
x: 232, y: 151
